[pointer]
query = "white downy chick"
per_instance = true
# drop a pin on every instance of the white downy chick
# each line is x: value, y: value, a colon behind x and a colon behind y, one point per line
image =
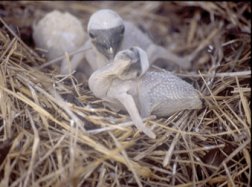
x: 110, y: 34
x: 57, y: 33
x: 128, y: 84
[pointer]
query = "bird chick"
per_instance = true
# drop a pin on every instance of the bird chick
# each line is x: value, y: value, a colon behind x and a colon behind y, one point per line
x: 57, y: 33
x: 128, y: 84
x: 109, y: 33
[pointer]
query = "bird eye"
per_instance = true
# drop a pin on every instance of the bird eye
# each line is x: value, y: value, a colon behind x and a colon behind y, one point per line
x: 122, y: 30
x: 92, y: 35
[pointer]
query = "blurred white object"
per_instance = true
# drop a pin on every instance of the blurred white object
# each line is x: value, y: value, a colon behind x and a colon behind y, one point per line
x: 127, y: 84
x: 57, y: 33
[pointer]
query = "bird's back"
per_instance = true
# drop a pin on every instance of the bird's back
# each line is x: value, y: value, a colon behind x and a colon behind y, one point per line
x: 133, y: 36
x: 162, y: 93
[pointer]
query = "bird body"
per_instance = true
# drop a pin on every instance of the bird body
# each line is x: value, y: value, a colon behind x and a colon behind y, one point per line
x: 141, y: 91
x: 57, y: 33
x: 157, y: 93
x: 163, y: 93
x: 133, y: 36
x: 109, y: 34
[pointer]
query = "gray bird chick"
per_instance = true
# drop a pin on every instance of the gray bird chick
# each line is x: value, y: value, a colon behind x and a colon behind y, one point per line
x: 126, y: 84
x: 57, y: 33
x: 109, y: 34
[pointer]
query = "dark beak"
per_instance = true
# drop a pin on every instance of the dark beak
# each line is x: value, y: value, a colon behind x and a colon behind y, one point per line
x: 108, y: 42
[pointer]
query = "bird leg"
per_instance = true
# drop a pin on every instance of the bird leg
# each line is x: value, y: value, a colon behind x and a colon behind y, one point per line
x: 67, y: 68
x: 129, y: 103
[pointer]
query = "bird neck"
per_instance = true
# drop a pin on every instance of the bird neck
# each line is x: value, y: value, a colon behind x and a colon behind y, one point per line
x: 100, y: 81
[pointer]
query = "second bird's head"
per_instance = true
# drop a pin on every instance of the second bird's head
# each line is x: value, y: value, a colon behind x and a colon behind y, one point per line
x: 106, y: 31
x: 131, y: 63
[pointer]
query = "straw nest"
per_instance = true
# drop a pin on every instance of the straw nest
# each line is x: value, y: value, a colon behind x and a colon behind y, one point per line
x: 54, y: 132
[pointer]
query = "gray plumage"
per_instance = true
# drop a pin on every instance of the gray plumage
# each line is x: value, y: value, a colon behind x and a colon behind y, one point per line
x: 163, y: 93
x: 142, y: 92
x: 109, y: 34
x: 157, y: 93
x: 57, y: 33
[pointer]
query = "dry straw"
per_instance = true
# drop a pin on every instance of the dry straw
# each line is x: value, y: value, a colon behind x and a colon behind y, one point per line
x: 54, y: 132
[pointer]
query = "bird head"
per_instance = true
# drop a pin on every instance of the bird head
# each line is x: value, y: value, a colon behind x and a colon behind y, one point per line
x: 106, y: 31
x: 132, y: 62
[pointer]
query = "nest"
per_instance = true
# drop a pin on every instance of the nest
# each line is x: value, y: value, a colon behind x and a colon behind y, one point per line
x: 54, y: 132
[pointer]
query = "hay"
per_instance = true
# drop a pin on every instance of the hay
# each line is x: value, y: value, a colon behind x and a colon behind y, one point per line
x: 54, y: 132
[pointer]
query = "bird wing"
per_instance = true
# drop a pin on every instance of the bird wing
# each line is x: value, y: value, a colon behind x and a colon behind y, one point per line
x: 162, y: 93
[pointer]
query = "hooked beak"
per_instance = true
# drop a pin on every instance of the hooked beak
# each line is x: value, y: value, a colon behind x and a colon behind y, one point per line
x: 134, y: 60
x: 141, y: 59
x: 107, y: 41
x: 145, y: 64
x: 107, y: 44
x: 107, y: 49
x: 110, y: 52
